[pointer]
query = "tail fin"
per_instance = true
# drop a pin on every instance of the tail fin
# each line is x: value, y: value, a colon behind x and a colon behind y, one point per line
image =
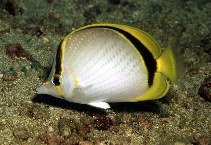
x: 167, y: 64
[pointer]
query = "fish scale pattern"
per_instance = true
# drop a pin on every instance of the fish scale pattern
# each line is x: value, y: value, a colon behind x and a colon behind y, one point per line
x: 106, y: 65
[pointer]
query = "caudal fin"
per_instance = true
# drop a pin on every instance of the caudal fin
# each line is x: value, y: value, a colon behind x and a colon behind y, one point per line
x: 167, y: 64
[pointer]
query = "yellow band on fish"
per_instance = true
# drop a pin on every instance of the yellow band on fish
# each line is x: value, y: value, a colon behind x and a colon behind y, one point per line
x: 75, y: 79
x: 56, y: 81
x: 59, y: 89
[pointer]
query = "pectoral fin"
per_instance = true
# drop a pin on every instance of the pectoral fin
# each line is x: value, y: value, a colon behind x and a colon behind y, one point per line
x: 102, y: 105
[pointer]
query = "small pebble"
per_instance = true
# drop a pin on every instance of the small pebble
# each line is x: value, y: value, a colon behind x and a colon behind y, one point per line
x: 36, y: 112
x: 51, y: 139
x: 11, y: 7
x: 205, y: 89
x: 16, y: 50
x: 50, y: 129
x: 102, y: 122
x: 21, y: 133
x: 10, y: 76
x: 85, y: 143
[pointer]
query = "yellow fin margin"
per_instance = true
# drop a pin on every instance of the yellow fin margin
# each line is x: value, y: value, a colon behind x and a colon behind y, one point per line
x: 59, y: 90
x: 149, y: 42
x: 159, y: 89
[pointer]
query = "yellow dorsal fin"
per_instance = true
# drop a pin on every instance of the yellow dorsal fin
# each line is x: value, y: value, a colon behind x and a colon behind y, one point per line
x: 167, y: 64
x: 149, y: 42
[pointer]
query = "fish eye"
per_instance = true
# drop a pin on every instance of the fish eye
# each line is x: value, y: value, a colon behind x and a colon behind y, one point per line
x: 57, y: 80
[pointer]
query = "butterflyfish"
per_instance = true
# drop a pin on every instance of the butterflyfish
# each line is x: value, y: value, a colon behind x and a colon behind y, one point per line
x: 102, y: 63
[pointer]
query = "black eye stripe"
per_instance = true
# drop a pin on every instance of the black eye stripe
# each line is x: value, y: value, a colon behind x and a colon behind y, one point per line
x: 56, y: 81
x: 58, y: 66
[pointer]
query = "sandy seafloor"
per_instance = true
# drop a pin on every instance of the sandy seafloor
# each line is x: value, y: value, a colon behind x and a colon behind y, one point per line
x: 182, y: 117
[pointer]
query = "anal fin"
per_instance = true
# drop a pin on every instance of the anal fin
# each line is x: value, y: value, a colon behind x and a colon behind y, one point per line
x: 158, y: 89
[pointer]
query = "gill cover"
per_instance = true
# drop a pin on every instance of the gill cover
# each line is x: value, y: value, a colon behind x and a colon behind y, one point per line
x: 68, y: 85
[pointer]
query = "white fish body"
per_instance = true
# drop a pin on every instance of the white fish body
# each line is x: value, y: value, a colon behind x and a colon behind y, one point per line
x: 97, y: 65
